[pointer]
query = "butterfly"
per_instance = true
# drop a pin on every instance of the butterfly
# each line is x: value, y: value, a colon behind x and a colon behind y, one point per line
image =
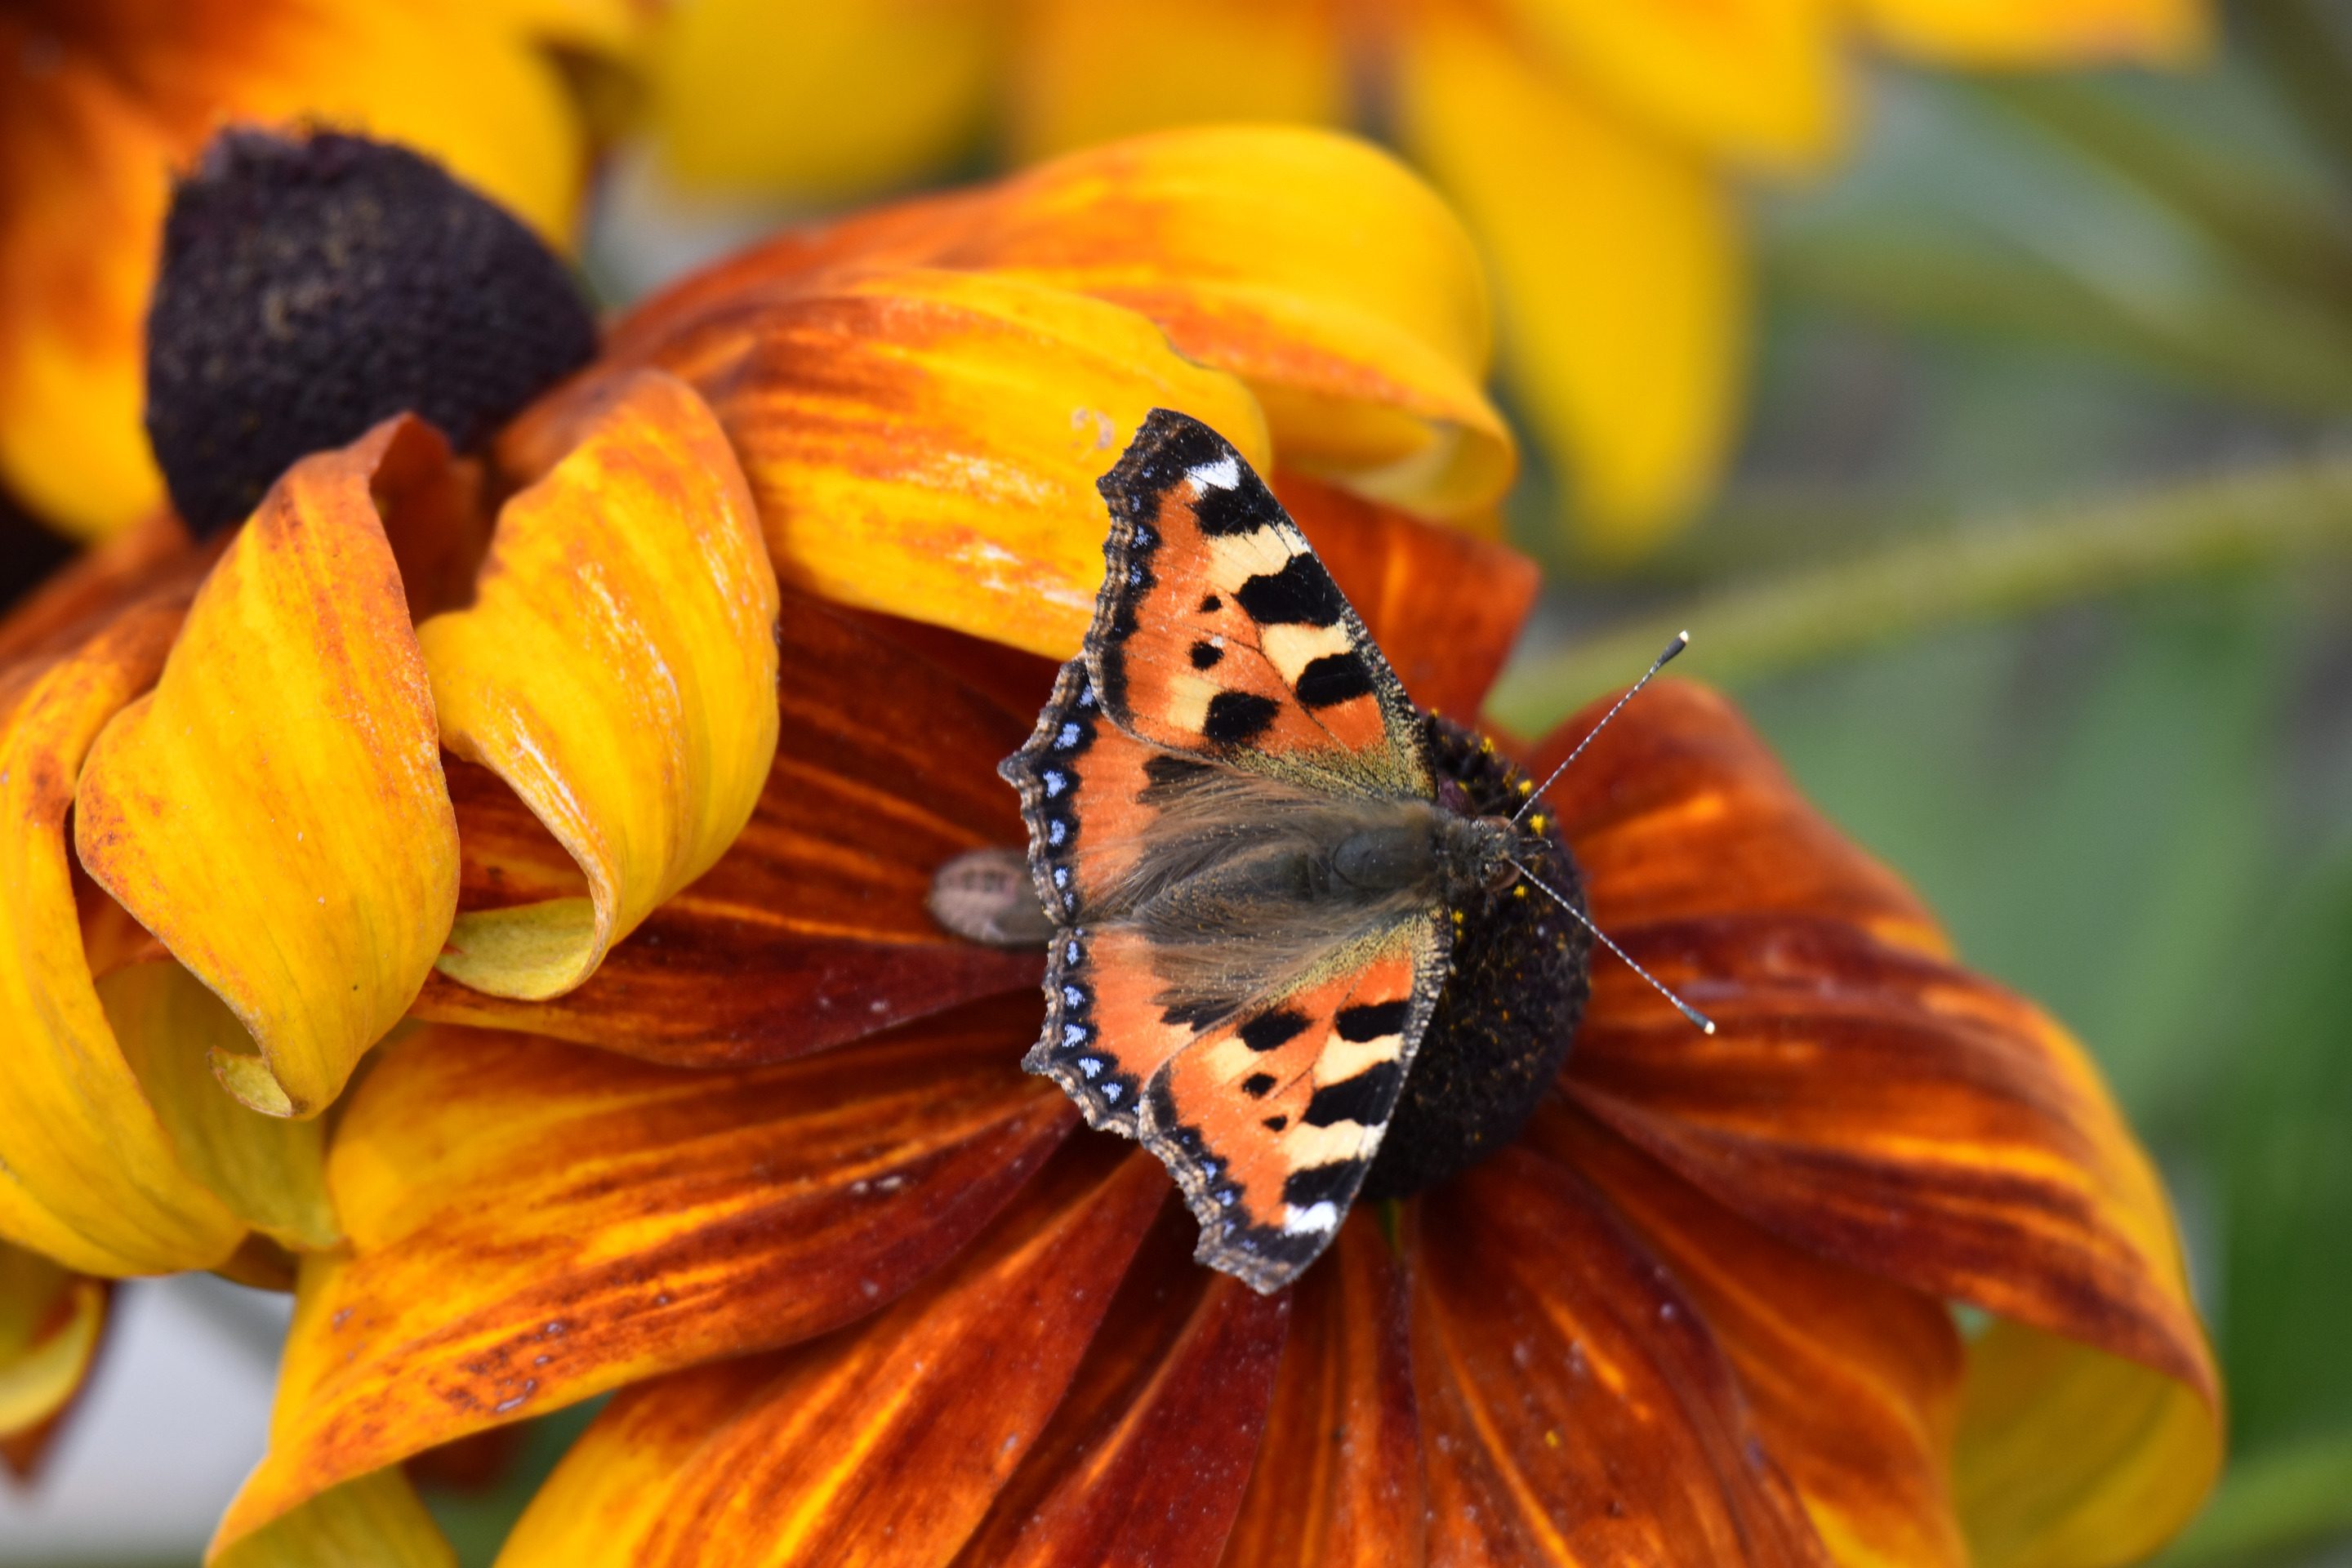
x: 1254, y: 866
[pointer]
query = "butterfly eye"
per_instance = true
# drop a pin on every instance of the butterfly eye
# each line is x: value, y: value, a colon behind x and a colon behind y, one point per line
x: 1502, y: 876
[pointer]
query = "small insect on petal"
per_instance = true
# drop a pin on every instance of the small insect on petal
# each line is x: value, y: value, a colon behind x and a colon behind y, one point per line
x: 987, y: 896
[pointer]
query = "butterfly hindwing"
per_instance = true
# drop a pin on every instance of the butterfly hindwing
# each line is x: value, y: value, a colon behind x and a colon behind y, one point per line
x: 1218, y: 632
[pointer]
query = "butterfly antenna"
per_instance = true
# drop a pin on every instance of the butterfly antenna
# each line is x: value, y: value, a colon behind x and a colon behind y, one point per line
x: 1682, y: 641
x: 1685, y: 1008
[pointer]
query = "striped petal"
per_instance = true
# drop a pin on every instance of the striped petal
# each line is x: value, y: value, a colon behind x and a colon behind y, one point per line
x: 274, y: 810
x: 2044, y: 32
x: 883, y: 1444
x: 51, y: 1320
x: 1146, y: 1456
x: 1618, y: 263
x: 530, y: 1224
x: 88, y: 1170
x: 615, y: 669
x: 812, y: 929
x: 1338, y: 1477
x: 1853, y: 1383
x: 927, y: 442
x: 1575, y: 1407
x: 375, y: 1521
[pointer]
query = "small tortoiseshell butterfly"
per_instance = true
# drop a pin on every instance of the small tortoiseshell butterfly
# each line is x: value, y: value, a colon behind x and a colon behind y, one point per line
x: 1268, y: 872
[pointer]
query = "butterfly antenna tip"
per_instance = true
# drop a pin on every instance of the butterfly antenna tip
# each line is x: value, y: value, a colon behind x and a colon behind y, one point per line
x: 1682, y: 641
x: 1706, y: 1025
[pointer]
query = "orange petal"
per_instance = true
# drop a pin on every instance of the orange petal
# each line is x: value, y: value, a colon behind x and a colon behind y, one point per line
x: 1146, y: 1457
x: 813, y: 929
x: 1337, y: 1481
x: 1679, y: 810
x: 377, y: 1520
x: 1091, y: 70
x: 274, y: 811
x: 1446, y: 606
x: 1618, y: 267
x: 51, y: 1320
x: 1758, y: 80
x: 531, y: 1223
x: 88, y: 1172
x: 78, y: 598
x: 2035, y: 33
x: 1576, y: 1409
x: 1853, y: 1383
x: 882, y: 1444
x: 927, y: 442
x: 615, y: 669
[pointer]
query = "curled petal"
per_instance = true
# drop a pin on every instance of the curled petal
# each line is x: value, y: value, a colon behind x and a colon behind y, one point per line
x: 376, y: 1520
x: 2039, y: 33
x: 274, y: 811
x: 88, y: 1171
x: 93, y: 587
x: 1760, y: 80
x: 882, y: 1444
x: 1854, y: 1383
x: 51, y: 1320
x: 1337, y: 1481
x: 615, y: 669
x: 1446, y: 647
x: 1148, y: 1454
x: 813, y: 929
x: 1618, y: 264
x: 1575, y: 1407
x: 530, y: 1224
x: 927, y: 442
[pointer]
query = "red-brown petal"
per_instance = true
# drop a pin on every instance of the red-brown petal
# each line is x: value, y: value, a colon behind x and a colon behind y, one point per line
x: 883, y: 1444
x: 1574, y: 1406
x: 813, y: 929
x: 1338, y: 1483
x: 1854, y: 1383
x: 1148, y: 1457
x: 530, y: 1224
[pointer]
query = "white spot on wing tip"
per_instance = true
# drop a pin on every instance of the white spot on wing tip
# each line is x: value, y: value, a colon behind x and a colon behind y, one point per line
x: 1224, y: 474
x: 1314, y: 1217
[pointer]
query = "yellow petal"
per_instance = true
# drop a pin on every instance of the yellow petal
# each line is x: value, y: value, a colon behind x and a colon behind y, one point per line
x: 50, y: 1318
x: 91, y: 137
x: 1757, y: 79
x: 618, y: 670
x: 87, y: 1174
x: 274, y: 811
x: 821, y: 97
x: 927, y: 443
x: 270, y: 1171
x: 375, y: 1522
x: 1090, y: 71
x: 2071, y: 1457
x: 1618, y: 258
x: 2045, y: 32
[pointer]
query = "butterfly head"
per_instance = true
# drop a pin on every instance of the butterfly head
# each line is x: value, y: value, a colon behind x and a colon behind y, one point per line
x: 1480, y: 857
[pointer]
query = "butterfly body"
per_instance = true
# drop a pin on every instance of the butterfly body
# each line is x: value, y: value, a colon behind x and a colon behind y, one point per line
x: 1256, y: 867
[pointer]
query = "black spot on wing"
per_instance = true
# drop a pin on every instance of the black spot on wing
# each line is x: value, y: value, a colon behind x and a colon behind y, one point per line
x: 1269, y: 1030
x: 1372, y: 1020
x: 1334, y: 1183
x: 1211, y: 605
x: 1334, y: 679
x: 1206, y: 655
x: 1301, y: 594
x: 1258, y: 1085
x: 1274, y: 1123
x: 1366, y: 1098
x: 1237, y: 718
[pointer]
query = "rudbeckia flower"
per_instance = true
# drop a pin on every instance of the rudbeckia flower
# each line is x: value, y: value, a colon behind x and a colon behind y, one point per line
x: 1594, y: 145
x: 105, y: 98
x: 576, y: 850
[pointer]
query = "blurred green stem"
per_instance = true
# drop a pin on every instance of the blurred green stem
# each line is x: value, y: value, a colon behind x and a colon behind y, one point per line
x: 2277, y: 1500
x: 1804, y: 617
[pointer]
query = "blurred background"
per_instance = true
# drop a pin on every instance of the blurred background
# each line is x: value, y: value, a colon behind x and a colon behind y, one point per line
x: 2029, y: 545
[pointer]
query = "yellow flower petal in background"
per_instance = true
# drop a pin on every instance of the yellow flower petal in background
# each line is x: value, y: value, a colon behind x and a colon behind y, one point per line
x: 275, y: 811
x: 928, y: 442
x: 51, y: 1319
x: 1759, y: 80
x: 1089, y: 70
x: 2043, y: 32
x: 819, y: 98
x: 1619, y: 258
x: 375, y: 1522
x: 617, y: 669
x: 2070, y: 1457
x: 105, y: 99
x: 88, y: 1172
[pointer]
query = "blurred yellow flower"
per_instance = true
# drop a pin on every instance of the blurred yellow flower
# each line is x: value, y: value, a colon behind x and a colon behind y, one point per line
x: 105, y: 98
x: 1591, y: 144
